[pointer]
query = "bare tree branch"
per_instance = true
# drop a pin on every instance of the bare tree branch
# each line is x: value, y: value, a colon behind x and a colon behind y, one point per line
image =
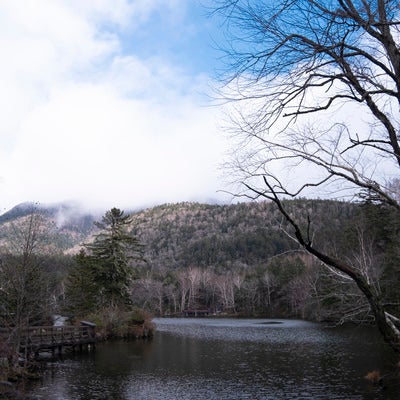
x: 316, y: 86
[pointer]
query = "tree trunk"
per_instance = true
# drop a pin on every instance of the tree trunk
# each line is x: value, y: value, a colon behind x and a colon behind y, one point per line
x: 387, y: 324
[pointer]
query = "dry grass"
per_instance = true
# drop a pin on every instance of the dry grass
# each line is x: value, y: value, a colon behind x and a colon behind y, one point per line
x: 374, y: 376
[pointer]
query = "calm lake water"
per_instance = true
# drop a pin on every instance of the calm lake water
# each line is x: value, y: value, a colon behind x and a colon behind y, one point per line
x: 201, y: 359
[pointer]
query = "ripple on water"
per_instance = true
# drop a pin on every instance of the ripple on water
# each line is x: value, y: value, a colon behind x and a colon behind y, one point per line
x: 269, y: 331
x: 228, y: 359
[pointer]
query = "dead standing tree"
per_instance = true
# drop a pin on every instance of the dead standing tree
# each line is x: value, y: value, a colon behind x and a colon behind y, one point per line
x: 315, y: 88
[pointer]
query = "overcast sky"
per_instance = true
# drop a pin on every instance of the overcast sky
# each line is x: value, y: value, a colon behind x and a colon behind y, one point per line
x: 105, y: 102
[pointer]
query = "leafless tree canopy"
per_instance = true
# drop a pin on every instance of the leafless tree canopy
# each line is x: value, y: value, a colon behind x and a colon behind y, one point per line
x: 317, y: 84
x: 315, y: 96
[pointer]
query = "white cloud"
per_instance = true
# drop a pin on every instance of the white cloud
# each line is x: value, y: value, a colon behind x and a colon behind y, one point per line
x: 89, y: 143
x: 83, y: 121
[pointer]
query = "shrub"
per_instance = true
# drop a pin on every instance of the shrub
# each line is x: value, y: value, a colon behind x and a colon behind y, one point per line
x: 112, y: 322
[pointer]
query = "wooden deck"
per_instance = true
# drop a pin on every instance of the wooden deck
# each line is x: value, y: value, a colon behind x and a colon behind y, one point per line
x: 37, y: 339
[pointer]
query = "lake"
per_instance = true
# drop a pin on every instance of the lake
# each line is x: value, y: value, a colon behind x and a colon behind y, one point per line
x: 204, y: 358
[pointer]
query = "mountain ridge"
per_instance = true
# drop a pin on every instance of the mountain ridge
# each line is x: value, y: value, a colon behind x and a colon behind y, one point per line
x: 190, y: 232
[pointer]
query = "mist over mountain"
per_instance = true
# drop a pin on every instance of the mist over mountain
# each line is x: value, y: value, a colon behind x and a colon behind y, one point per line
x: 65, y: 214
x: 67, y: 224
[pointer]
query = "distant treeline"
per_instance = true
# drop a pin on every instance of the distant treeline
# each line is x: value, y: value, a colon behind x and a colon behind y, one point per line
x: 242, y: 258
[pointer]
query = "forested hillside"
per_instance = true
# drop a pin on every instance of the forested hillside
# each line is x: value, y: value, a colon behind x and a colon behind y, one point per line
x: 243, y: 259
x: 219, y: 236
x: 238, y: 258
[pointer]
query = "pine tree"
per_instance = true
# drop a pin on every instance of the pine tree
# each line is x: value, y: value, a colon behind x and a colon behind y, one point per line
x: 112, y: 252
x: 81, y: 291
x: 108, y: 264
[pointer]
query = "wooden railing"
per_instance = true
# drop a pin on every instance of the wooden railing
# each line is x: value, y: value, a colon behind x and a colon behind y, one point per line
x: 56, y: 335
x: 40, y: 338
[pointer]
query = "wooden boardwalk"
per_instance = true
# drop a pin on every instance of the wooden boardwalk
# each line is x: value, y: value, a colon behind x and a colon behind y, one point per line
x: 37, y: 339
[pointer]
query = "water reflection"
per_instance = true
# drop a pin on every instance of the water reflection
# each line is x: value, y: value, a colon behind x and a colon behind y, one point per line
x: 226, y: 359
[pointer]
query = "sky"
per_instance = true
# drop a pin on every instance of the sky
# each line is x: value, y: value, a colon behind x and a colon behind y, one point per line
x: 109, y: 103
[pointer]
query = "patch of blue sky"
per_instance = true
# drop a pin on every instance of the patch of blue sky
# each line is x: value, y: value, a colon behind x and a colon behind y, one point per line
x: 187, y: 38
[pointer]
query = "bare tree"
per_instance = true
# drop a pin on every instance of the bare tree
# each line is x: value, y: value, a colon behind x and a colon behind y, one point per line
x: 226, y: 291
x: 316, y: 91
x: 25, y: 290
x: 148, y: 293
x: 194, y: 275
x: 184, y: 288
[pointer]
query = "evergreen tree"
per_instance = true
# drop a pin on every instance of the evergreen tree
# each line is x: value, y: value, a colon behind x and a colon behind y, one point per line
x: 112, y: 253
x: 81, y: 291
x: 108, y: 265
